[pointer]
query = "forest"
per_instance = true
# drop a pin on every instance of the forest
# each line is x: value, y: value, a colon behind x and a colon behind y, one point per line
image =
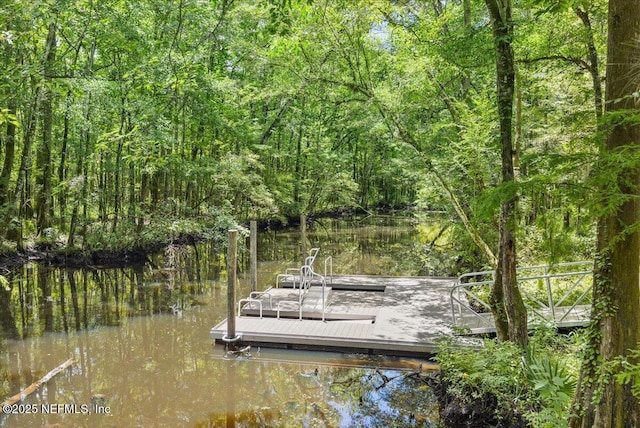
x: 127, y: 125
x: 120, y: 121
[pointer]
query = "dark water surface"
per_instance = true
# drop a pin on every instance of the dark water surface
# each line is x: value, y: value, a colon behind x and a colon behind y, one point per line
x: 139, y: 337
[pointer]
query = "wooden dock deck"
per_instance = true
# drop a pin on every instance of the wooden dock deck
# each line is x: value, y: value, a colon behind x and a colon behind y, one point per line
x: 402, y: 316
x: 376, y: 315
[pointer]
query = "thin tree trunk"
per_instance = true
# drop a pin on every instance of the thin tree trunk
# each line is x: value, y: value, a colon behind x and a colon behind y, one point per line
x: 131, y: 209
x: 62, y: 166
x: 500, y: 12
x: 80, y: 196
x: 142, y: 202
x: 44, y: 192
x: 117, y: 173
x: 81, y: 165
x: 9, y: 156
x: 14, y: 232
x: 592, y: 59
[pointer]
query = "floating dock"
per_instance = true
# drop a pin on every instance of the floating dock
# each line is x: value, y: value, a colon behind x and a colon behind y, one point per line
x: 399, y: 315
x: 364, y: 314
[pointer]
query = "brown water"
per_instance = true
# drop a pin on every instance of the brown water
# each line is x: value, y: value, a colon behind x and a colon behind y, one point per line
x: 139, y: 337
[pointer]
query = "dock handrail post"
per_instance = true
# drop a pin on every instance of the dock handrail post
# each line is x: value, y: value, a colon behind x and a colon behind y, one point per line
x: 324, y: 303
x: 253, y: 254
x: 547, y: 278
x: 329, y: 261
x: 232, y: 263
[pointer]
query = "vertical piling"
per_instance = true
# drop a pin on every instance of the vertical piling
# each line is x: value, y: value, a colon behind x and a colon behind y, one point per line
x: 253, y: 254
x: 230, y: 388
x: 232, y: 263
x: 303, y: 236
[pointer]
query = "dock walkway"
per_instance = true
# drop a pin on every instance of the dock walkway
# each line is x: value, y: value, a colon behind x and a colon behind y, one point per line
x: 402, y: 315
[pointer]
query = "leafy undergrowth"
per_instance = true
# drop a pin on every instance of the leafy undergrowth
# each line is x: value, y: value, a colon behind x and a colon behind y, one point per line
x: 500, y: 386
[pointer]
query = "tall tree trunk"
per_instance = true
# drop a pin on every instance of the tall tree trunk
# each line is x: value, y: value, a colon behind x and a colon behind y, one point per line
x: 81, y: 165
x: 62, y: 166
x: 615, y: 329
x: 142, y: 201
x: 102, y: 185
x: 118, y: 192
x: 9, y: 156
x: 43, y: 180
x: 500, y: 12
x: 81, y: 173
x: 14, y: 232
x: 131, y: 206
x: 496, y: 302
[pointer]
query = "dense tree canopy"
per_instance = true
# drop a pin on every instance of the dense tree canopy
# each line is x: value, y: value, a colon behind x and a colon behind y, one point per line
x: 120, y: 119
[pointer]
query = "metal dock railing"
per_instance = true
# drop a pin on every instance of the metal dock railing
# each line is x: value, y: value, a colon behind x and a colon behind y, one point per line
x: 555, y: 293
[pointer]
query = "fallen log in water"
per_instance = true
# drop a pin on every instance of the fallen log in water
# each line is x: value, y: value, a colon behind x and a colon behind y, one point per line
x: 34, y: 386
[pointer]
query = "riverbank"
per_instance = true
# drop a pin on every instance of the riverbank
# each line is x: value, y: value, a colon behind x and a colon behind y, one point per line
x: 61, y: 256
x: 104, y: 246
x: 130, y: 244
x: 471, y: 410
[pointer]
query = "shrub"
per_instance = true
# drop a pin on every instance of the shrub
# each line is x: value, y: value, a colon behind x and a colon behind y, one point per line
x: 535, y: 386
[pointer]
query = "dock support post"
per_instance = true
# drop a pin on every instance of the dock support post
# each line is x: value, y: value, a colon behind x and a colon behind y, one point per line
x: 253, y: 254
x: 303, y: 236
x: 232, y: 263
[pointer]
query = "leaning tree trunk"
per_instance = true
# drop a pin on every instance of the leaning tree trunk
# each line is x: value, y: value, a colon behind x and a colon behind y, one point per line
x: 592, y: 61
x: 615, y: 328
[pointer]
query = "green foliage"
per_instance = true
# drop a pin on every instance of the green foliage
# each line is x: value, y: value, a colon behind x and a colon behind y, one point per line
x: 7, y: 117
x: 493, y: 369
x: 538, y: 385
x: 550, y: 380
x: 273, y: 108
x: 627, y: 370
x: 160, y: 232
x: 554, y: 387
x: 555, y: 6
x: 609, y: 188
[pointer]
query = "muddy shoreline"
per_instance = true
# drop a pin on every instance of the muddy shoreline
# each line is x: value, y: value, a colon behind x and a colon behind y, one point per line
x: 468, y: 411
x: 81, y: 258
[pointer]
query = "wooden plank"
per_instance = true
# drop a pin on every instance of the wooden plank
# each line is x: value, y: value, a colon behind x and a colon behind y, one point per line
x: 355, y: 330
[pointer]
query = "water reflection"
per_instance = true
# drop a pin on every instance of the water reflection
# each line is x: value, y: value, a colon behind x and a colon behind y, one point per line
x: 140, y: 340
